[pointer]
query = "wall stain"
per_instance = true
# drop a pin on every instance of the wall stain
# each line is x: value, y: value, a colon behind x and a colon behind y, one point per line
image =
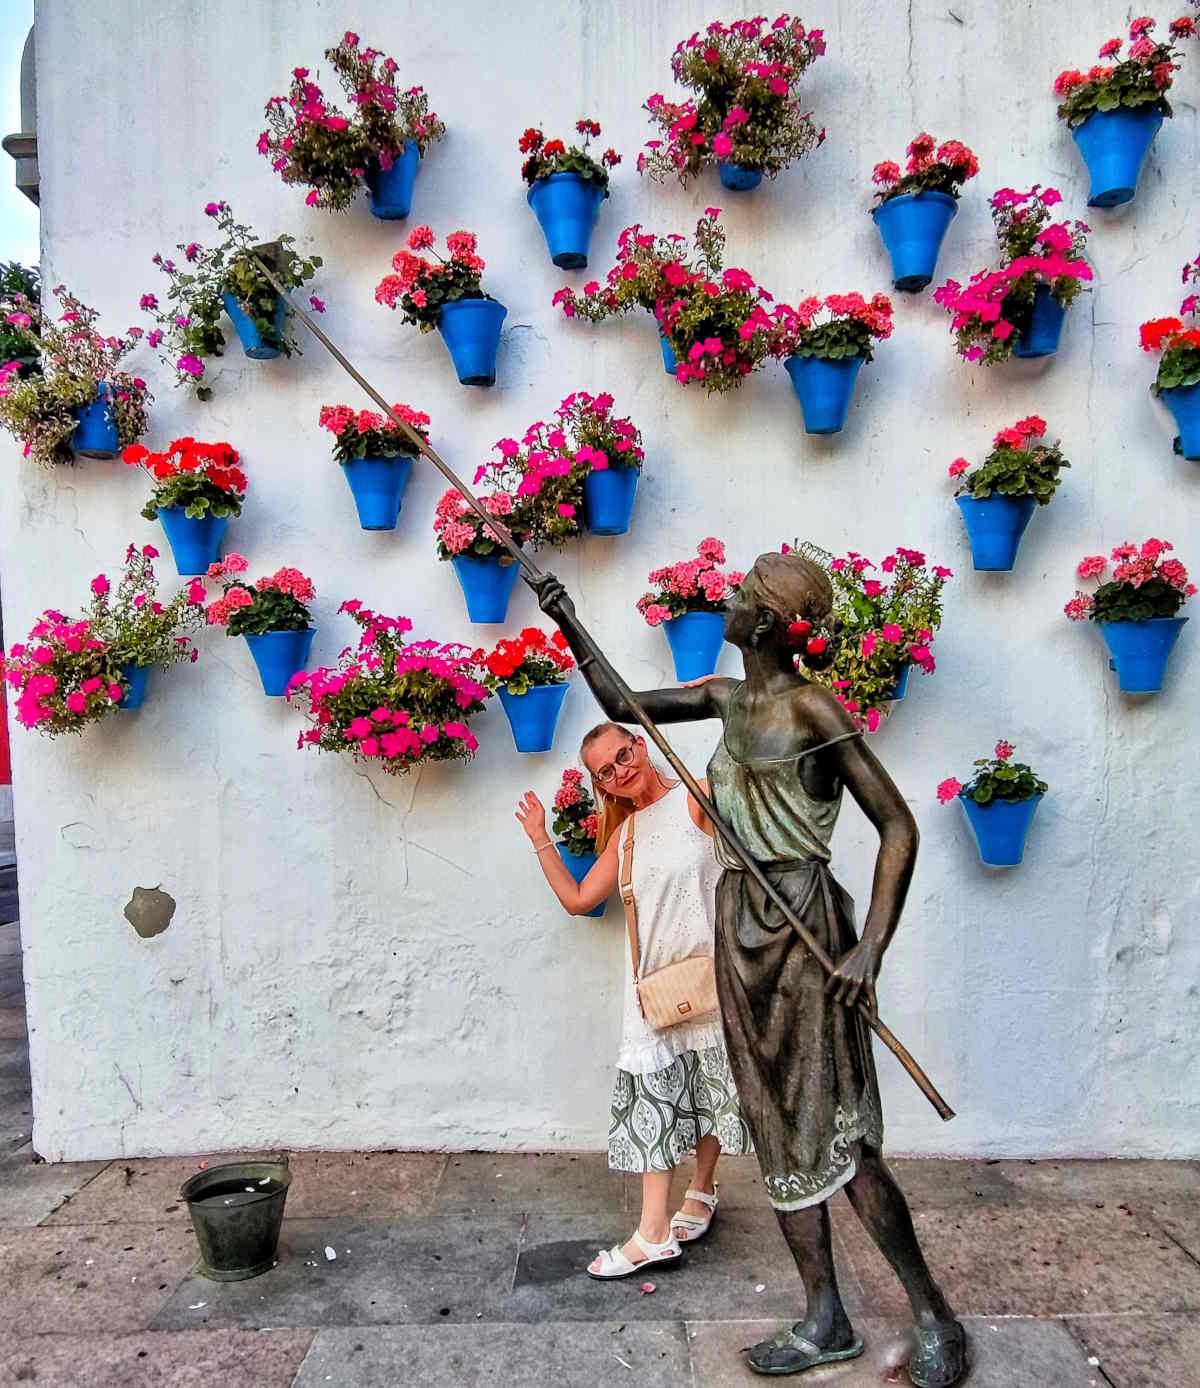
x: 149, y: 911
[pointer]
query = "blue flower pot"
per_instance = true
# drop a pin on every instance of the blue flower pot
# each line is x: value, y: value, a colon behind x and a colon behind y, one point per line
x: 195, y: 541
x: 566, y: 205
x: 913, y: 226
x: 391, y: 189
x: 470, y: 329
x: 994, y: 527
x: 278, y: 655
x: 608, y: 499
x: 95, y: 434
x: 1139, y: 651
x: 533, y: 716
x: 695, y: 640
x: 736, y: 178
x: 487, y: 585
x: 378, y: 487
x: 668, y: 356
x: 579, y: 865
x: 1040, y: 339
x: 1114, y: 145
x: 823, y: 386
x: 1000, y: 827
x: 135, y: 677
x: 1184, y: 404
x: 900, y: 688
x: 251, y: 339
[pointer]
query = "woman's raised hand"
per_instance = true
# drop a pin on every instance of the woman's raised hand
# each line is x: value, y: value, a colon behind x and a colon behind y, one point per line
x: 531, y: 816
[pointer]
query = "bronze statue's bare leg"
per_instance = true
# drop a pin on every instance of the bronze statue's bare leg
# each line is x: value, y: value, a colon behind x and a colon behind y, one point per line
x: 939, y: 1359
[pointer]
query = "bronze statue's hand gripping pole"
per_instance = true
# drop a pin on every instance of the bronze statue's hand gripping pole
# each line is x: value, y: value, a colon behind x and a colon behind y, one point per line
x: 548, y: 588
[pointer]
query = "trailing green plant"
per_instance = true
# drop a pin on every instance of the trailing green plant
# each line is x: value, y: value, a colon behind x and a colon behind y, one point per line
x: 1018, y: 465
x: 997, y: 778
x: 1139, y: 81
x: 1178, y: 343
x: 189, y: 320
x: 76, y: 367
x: 26, y: 281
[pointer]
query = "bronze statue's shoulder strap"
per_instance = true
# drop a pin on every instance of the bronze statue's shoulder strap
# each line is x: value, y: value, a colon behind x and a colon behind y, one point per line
x: 833, y: 741
x: 625, y: 885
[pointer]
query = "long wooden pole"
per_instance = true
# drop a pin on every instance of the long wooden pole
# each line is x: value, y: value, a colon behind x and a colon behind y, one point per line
x: 533, y: 576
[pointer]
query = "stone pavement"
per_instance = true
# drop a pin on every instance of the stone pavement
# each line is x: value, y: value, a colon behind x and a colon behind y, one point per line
x: 464, y: 1270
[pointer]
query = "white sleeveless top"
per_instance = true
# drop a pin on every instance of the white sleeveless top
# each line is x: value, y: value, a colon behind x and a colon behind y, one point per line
x: 674, y: 883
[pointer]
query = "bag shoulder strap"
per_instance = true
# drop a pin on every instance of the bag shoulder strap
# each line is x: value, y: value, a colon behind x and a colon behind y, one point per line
x: 625, y: 885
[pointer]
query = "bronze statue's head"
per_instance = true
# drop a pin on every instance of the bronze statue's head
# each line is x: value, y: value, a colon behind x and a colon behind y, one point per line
x: 779, y: 590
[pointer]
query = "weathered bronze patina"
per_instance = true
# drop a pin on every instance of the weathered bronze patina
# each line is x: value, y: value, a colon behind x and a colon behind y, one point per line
x: 798, y: 1044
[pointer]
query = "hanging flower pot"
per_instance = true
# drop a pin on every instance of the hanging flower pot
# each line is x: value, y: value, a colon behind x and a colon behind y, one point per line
x: 567, y: 205
x: 1139, y: 651
x: 668, y: 355
x: 913, y: 227
x: 530, y: 675
x: 994, y: 528
x: 695, y: 639
x: 257, y: 345
x: 487, y: 585
x: 1000, y: 801
x: 1000, y: 827
x: 579, y: 865
x: 1114, y: 145
x: 135, y: 677
x: 391, y: 190
x: 279, y: 655
x: 1041, y: 336
x: 96, y: 434
x: 736, y: 177
x: 900, y: 688
x: 470, y: 329
x: 1135, y: 610
x: 608, y: 500
x: 533, y: 716
x: 1177, y: 381
x: 1184, y: 404
x: 378, y: 488
x: 195, y: 540
x: 823, y: 385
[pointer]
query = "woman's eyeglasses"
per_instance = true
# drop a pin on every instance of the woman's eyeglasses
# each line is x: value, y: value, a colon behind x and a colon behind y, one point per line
x: 623, y: 758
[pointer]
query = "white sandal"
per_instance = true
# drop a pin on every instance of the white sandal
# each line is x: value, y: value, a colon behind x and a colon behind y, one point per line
x: 688, y: 1228
x: 614, y: 1264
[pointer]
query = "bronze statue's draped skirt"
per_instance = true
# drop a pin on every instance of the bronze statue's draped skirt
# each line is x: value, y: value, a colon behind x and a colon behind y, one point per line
x: 802, y: 1062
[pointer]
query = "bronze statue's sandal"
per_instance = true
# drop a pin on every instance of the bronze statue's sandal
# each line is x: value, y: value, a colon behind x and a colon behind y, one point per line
x: 789, y: 1353
x: 940, y: 1358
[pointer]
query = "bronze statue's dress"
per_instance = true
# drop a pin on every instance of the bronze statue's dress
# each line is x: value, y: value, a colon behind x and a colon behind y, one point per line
x: 802, y: 1062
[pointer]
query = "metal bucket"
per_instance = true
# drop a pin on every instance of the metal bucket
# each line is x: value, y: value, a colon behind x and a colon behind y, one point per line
x: 237, y: 1210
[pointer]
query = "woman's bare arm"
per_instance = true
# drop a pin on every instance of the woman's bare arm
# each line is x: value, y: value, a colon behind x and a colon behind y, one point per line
x: 577, y: 898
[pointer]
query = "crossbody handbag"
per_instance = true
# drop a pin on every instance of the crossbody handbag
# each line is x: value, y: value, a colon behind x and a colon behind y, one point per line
x: 684, y: 990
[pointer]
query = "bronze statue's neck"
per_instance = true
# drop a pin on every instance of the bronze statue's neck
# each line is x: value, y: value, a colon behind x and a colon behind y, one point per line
x: 769, y: 667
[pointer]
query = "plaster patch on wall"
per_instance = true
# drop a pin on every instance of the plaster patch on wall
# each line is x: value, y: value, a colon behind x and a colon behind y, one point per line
x: 149, y: 911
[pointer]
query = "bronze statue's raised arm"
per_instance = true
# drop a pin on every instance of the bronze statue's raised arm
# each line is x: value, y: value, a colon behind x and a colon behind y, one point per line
x: 684, y: 705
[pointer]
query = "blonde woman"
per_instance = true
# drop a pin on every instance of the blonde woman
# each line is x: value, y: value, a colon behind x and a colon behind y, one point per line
x: 674, y: 1093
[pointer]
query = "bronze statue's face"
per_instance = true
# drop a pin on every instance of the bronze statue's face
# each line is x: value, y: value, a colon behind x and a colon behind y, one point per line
x: 619, y: 764
x: 742, y: 613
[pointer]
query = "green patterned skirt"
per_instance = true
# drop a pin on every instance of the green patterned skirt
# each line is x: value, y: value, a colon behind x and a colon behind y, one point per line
x: 657, y: 1119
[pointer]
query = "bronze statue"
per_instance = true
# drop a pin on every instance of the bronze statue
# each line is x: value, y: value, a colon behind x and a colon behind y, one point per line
x: 798, y: 1045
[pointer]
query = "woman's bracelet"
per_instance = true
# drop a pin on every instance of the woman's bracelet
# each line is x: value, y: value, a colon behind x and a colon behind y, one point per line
x: 542, y: 848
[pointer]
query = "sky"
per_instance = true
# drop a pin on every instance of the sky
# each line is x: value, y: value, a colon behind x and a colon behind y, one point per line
x: 18, y: 216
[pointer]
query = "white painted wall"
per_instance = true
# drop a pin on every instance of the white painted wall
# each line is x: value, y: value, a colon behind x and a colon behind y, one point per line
x: 379, y: 965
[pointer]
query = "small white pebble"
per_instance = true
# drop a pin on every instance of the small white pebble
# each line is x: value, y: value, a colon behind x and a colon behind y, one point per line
x: 89, y: 1262
x: 762, y: 1287
x: 198, y: 1305
x: 330, y: 1255
x: 1093, y: 1361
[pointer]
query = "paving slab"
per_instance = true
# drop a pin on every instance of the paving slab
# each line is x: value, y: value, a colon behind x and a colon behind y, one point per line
x: 743, y: 1252
x: 16, y: 1115
x: 14, y: 1057
x: 946, y: 1182
x: 650, y: 1354
x: 1002, y: 1354
x: 341, y: 1184
x: 529, y: 1183
x: 433, y: 1269
x: 1142, y: 1351
x: 70, y: 1281
x: 31, y: 1190
x: 239, y: 1358
x: 1099, y: 1182
x: 1035, y: 1262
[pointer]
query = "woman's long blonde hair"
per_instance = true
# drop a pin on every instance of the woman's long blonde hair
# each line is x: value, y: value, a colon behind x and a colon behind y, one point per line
x: 611, y: 810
